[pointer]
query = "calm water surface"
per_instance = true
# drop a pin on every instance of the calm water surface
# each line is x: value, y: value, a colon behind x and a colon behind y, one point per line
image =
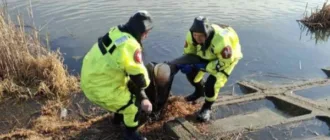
x: 272, y: 42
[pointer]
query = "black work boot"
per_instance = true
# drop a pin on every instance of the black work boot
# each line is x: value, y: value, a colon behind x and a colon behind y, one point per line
x: 199, y: 92
x: 117, y: 119
x: 204, y: 113
x: 132, y: 134
x: 199, y: 88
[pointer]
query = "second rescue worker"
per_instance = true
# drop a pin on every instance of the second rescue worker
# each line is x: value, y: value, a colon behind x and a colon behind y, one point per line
x: 219, y: 47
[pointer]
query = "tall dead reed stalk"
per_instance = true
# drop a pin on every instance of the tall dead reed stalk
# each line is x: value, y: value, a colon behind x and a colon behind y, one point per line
x: 28, y: 69
x: 318, y: 19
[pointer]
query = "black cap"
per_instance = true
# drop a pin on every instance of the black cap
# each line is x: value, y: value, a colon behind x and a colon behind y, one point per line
x: 201, y: 25
x: 141, y: 21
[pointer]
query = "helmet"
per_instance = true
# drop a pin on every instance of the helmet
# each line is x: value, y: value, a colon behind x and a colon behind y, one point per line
x: 201, y: 25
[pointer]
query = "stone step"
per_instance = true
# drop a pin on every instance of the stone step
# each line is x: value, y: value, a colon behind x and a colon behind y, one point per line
x: 326, y: 71
x: 324, y: 101
x: 262, y: 116
x: 315, y: 138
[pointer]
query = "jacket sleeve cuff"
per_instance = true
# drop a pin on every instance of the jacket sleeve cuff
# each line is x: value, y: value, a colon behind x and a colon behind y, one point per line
x: 143, y: 95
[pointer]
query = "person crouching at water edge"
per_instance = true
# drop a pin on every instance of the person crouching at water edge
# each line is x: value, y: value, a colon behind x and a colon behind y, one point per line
x: 113, y: 75
x: 210, y: 48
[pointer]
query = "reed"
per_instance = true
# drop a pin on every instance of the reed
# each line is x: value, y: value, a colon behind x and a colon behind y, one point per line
x: 27, y: 68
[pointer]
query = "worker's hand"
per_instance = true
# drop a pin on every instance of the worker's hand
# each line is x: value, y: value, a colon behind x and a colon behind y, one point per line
x: 146, y: 106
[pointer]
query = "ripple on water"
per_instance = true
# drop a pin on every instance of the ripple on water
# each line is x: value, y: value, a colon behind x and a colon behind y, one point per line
x: 265, y: 26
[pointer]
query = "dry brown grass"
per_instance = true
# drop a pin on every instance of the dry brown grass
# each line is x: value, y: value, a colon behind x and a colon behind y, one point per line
x: 176, y: 107
x: 49, y: 125
x: 318, y: 19
x: 28, y: 69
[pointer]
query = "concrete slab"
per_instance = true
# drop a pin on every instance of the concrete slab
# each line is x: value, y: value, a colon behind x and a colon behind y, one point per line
x: 278, y: 89
x: 324, y: 101
x: 273, y: 112
x: 326, y: 71
x: 315, y: 138
x: 246, y: 120
x: 319, y: 95
x: 315, y: 93
x: 303, y: 129
x: 180, y: 128
x: 280, y: 106
x: 245, y: 89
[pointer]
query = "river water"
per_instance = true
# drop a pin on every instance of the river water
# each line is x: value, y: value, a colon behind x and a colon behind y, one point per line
x: 272, y: 42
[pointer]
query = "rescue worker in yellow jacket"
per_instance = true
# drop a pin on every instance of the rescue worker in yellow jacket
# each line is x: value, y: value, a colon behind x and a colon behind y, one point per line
x: 113, y: 75
x: 219, y: 48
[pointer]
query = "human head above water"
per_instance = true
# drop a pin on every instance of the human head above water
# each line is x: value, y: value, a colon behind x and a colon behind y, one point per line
x: 200, y: 29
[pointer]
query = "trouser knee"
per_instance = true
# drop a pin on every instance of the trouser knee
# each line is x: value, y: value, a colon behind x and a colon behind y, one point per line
x: 210, y: 92
x: 191, y: 76
x: 131, y: 112
x: 131, y: 116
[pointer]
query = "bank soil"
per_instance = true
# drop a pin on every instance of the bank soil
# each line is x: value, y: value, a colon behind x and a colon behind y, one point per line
x: 86, y: 121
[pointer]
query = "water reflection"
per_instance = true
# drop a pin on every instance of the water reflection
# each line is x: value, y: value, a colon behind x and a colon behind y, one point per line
x: 319, y: 35
x: 70, y: 52
x: 267, y: 31
x: 316, y: 128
